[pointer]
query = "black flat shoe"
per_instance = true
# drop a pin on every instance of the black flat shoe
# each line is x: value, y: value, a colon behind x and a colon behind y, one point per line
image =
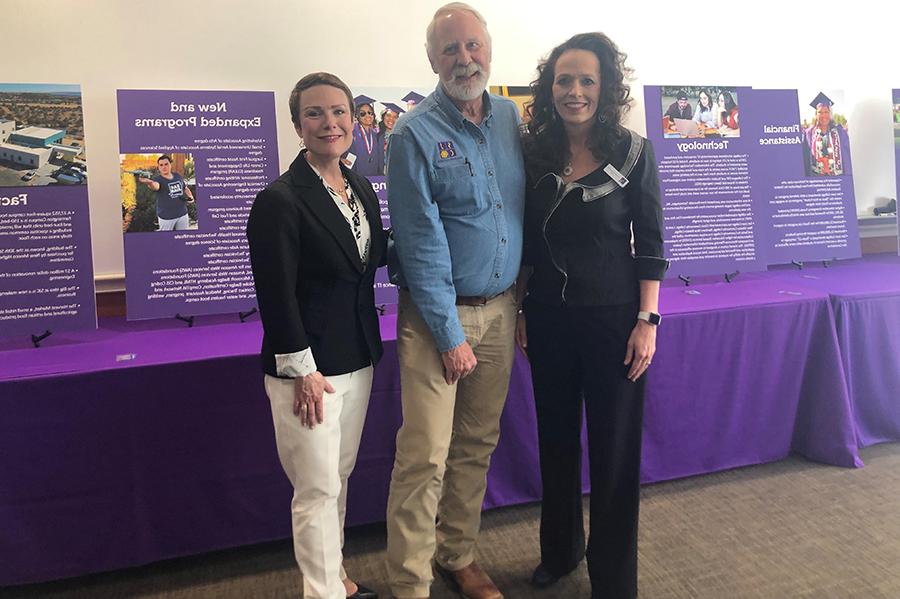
x: 363, y: 593
x: 542, y: 578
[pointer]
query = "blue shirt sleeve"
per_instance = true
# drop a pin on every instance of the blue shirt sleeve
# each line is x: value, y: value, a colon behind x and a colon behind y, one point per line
x: 420, y: 242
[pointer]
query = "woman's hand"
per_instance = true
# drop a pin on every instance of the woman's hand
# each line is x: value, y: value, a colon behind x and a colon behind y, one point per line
x: 309, y: 401
x: 640, y: 349
x: 521, y: 333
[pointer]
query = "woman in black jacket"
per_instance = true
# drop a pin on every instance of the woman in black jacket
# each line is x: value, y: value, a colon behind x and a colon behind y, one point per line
x: 591, y: 306
x: 315, y: 243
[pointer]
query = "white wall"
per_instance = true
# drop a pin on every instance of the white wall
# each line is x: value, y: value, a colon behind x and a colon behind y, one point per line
x: 269, y: 44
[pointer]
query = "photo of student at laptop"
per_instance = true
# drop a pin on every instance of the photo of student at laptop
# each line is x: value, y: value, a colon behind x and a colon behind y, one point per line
x: 696, y: 112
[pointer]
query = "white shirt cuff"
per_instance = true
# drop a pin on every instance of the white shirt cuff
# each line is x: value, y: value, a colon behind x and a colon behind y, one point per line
x: 298, y: 363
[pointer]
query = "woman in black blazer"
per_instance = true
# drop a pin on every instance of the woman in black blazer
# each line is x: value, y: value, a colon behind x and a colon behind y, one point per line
x: 315, y: 243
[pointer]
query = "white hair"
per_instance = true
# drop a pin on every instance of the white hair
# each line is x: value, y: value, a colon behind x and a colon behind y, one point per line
x: 446, y: 10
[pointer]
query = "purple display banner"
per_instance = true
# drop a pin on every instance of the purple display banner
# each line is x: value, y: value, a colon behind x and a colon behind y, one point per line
x: 388, y: 103
x: 46, y: 268
x: 47, y: 274
x: 811, y: 210
x: 385, y: 291
x: 896, y: 113
x: 185, y: 244
x: 711, y: 215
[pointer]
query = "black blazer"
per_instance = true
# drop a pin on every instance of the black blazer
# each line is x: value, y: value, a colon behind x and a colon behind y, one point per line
x: 578, y: 236
x: 311, y: 287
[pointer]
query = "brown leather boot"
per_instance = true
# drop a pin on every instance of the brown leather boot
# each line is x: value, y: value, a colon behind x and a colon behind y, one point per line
x: 471, y: 582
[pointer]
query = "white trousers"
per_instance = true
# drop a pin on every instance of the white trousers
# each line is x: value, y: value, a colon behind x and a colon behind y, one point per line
x: 318, y: 463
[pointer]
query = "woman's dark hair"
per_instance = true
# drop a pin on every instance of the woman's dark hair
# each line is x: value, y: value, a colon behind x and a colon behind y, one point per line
x: 710, y: 101
x: 729, y: 101
x: 312, y: 80
x: 545, y: 143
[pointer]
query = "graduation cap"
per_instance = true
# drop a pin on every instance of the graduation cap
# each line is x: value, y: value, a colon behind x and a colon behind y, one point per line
x: 393, y: 108
x: 821, y: 99
x: 413, y: 97
x: 363, y: 99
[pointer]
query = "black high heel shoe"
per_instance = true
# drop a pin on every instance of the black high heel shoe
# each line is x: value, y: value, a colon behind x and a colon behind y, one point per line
x: 542, y: 578
x: 363, y: 593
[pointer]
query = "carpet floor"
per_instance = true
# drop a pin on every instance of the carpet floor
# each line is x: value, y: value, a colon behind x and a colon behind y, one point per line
x: 788, y: 530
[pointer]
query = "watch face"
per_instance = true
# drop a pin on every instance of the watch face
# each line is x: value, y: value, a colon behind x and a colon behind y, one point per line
x: 651, y: 317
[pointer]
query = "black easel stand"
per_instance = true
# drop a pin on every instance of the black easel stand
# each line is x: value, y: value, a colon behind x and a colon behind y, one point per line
x: 36, y: 339
x: 381, y: 308
x: 798, y: 263
x: 245, y: 315
x: 730, y: 276
x: 685, y: 279
x: 188, y: 319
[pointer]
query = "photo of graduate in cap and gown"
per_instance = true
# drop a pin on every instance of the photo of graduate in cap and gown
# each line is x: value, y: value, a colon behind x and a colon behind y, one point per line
x: 412, y: 100
x: 826, y: 146
x: 389, y: 117
x: 366, y: 155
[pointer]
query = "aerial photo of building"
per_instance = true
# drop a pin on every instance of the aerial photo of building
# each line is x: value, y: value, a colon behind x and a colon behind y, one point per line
x: 7, y: 126
x: 41, y: 135
x: 36, y: 157
x: 29, y: 146
x: 37, y: 137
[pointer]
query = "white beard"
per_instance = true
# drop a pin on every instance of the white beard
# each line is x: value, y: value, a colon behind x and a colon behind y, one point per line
x: 470, y: 91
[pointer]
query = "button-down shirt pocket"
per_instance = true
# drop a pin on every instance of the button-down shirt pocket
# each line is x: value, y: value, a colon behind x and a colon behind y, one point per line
x: 453, y: 187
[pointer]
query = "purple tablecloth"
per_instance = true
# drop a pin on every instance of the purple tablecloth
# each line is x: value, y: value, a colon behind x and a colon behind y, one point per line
x: 865, y: 295
x: 107, y: 464
x: 744, y: 373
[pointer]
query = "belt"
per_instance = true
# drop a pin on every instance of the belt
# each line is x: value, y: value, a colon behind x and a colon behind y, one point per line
x: 475, y: 300
x: 470, y: 300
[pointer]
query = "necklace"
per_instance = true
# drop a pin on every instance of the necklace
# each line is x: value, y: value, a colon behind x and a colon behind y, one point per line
x: 338, y: 191
x: 569, y: 169
x: 324, y: 182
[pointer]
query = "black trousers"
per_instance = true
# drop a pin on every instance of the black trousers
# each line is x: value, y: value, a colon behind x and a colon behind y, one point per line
x: 577, y: 363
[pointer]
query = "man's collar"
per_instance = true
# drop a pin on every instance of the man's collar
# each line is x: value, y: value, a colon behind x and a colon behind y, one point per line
x: 455, y: 114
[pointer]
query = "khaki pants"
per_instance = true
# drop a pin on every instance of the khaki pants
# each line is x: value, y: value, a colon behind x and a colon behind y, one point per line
x: 318, y: 462
x: 445, y: 444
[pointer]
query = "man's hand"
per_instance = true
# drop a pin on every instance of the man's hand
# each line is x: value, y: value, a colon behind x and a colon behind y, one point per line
x: 458, y: 362
x: 153, y: 185
x: 309, y: 402
x: 522, y: 333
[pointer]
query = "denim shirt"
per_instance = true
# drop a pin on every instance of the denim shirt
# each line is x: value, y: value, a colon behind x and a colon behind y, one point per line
x: 456, y: 195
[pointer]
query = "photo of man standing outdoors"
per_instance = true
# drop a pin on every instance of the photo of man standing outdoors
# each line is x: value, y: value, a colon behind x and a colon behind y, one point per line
x: 172, y: 196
